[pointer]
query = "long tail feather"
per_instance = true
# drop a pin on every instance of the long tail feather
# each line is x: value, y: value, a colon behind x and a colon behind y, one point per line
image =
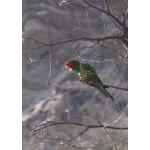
x: 105, y: 92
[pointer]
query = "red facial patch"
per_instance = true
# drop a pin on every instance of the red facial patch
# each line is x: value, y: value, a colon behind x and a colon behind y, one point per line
x: 70, y: 65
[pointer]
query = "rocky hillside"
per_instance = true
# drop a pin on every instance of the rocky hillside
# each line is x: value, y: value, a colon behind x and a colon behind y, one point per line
x: 50, y: 92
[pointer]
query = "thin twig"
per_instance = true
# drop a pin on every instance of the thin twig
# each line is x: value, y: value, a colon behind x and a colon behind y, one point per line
x: 106, y: 12
x: 50, y: 67
x: 77, y: 39
x: 115, y: 87
x: 31, y: 49
x: 79, y: 134
x: 111, y: 138
x: 107, y: 7
x: 51, y: 123
x: 118, y: 117
x: 122, y: 58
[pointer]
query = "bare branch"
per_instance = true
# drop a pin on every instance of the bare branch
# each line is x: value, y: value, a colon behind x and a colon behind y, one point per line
x: 78, y: 134
x: 111, y: 138
x: 117, y: 54
x: 106, y: 12
x: 116, y: 87
x: 98, y: 39
x: 106, y: 3
x: 50, y: 67
x: 118, y: 117
x: 51, y: 123
x: 32, y: 49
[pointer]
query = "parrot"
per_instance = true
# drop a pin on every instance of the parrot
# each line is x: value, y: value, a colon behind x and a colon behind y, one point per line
x: 87, y: 75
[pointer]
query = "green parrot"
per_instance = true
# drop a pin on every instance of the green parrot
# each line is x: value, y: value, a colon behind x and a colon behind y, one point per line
x: 88, y: 75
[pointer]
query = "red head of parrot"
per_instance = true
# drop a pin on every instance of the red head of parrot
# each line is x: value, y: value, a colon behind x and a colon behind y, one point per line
x: 70, y: 65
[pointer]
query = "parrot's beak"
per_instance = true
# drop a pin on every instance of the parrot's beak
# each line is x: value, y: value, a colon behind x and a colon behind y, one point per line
x: 68, y: 68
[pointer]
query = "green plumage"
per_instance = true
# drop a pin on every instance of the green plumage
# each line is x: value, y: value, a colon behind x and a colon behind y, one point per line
x: 88, y: 76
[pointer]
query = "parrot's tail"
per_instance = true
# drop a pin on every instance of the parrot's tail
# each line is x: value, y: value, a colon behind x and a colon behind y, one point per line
x: 105, y: 92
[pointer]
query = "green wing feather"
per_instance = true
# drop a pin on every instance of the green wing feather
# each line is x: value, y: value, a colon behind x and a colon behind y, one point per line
x: 90, y: 68
x: 93, y: 75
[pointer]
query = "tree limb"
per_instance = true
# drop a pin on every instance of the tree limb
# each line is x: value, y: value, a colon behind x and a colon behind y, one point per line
x: 51, y: 123
x: 116, y: 87
x: 106, y: 12
x: 99, y: 39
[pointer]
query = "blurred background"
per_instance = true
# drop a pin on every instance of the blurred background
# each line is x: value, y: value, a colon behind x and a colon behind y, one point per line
x: 50, y: 92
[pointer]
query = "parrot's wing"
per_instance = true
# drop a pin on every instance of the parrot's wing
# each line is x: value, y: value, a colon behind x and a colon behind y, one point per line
x: 89, y: 68
x: 95, y: 76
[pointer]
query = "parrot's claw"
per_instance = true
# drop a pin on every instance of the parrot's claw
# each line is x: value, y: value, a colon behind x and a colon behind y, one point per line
x: 83, y: 79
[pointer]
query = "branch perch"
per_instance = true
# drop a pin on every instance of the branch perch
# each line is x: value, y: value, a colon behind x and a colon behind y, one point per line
x: 115, y: 87
x: 99, y: 39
